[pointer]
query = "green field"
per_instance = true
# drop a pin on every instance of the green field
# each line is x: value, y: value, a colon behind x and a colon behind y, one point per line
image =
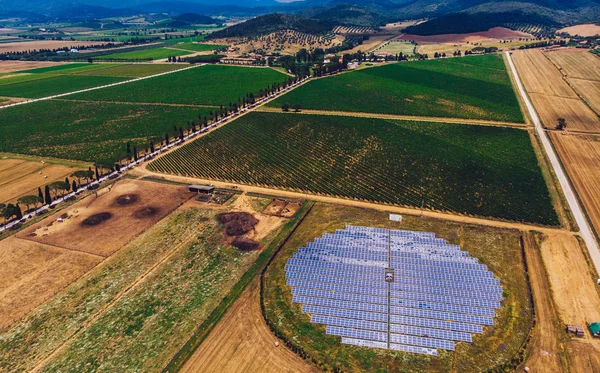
x: 396, y: 47
x: 87, y: 130
x: 49, y: 86
x: 63, y: 69
x: 135, y: 70
x: 154, y: 54
x: 471, y: 87
x: 477, y: 170
x: 488, y: 352
x: 205, y: 85
x: 198, y: 47
x: 150, y: 322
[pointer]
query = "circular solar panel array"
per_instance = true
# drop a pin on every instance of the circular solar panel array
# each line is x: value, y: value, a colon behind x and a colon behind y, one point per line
x: 393, y: 289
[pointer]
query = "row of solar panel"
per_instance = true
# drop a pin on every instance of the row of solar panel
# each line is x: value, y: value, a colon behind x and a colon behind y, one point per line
x: 356, y: 333
x: 393, y: 328
x: 402, y: 286
x: 406, y: 251
x: 383, y: 292
x: 363, y: 343
x: 293, y: 271
x: 394, y: 310
x: 396, y: 319
x: 410, y: 271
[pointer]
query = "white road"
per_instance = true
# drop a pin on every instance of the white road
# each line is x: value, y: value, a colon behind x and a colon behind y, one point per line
x: 99, y: 87
x: 576, y: 209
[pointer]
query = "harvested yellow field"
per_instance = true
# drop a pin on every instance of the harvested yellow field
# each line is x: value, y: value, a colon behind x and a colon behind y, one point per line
x: 580, y: 155
x: 539, y: 75
x: 579, y: 117
x: 589, y: 91
x: 20, y: 177
x: 588, y: 29
x: 577, y: 64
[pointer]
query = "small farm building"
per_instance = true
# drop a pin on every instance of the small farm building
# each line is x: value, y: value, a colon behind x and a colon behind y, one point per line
x: 595, y: 329
x: 204, y: 189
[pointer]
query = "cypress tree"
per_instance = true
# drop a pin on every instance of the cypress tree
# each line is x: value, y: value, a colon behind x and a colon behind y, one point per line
x: 128, y: 147
x: 47, y: 197
x: 18, y: 212
x: 40, y: 194
x: 97, y: 174
x: 167, y: 139
x: 74, y: 186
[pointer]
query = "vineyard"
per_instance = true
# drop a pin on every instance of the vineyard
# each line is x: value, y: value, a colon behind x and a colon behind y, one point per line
x: 353, y: 30
x: 206, y: 85
x: 54, y: 85
x: 474, y: 88
x: 535, y: 30
x: 476, y: 170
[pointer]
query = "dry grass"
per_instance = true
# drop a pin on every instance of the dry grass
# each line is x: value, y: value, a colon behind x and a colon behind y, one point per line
x: 13, y: 66
x: 539, y: 75
x: 579, y: 117
x: 580, y: 155
x: 587, y: 29
x: 19, y: 177
x: 589, y: 91
x: 30, y: 273
x: 577, y: 64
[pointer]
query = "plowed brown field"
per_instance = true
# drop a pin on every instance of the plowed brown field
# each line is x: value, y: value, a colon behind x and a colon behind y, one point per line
x: 581, y: 157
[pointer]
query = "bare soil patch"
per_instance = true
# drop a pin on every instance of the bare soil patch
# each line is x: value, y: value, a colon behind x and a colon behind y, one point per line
x: 31, y: 273
x: 96, y: 219
x: 242, y: 342
x: 237, y: 223
x: 155, y: 201
x: 580, y: 156
x: 282, y: 208
x: 245, y: 244
x: 127, y: 199
x: 493, y: 33
x: 13, y: 66
x: 588, y: 29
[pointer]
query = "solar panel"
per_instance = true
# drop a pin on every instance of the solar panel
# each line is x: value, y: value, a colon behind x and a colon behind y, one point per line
x: 393, y: 289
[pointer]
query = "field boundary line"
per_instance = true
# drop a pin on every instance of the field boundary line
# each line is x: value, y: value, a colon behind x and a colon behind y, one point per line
x: 572, y: 200
x: 474, y: 122
x: 101, y: 312
x: 62, y: 248
x: 99, y: 87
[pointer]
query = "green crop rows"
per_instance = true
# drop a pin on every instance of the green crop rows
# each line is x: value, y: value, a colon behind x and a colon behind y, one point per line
x: 197, y: 47
x: 477, y: 170
x: 474, y: 88
x: 155, y: 54
x: 134, y: 70
x: 205, y: 85
x: 86, y: 130
x: 50, y: 86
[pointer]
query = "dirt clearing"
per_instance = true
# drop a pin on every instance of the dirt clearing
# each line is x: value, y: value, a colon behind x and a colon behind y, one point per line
x: 580, y: 156
x: 30, y: 273
x: 101, y: 224
x: 242, y: 342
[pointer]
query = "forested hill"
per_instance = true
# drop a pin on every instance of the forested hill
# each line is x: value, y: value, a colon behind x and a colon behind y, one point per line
x: 274, y: 22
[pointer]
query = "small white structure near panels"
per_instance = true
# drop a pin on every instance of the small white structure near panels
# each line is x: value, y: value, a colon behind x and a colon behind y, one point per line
x: 396, y: 217
x: 393, y: 289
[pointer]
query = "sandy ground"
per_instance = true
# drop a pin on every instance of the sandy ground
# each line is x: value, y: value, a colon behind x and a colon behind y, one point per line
x: 587, y: 29
x: 12, y: 66
x: 45, y: 44
x: 580, y: 156
x: 545, y: 345
x: 31, y: 273
x: 242, y: 342
x: 157, y: 200
x: 20, y: 177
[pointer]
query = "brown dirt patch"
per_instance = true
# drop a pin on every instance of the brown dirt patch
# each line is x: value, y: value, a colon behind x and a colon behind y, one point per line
x: 96, y: 219
x: 104, y: 239
x: 580, y: 156
x: 13, y: 66
x: 237, y: 223
x: 31, y: 273
x: 146, y: 212
x: 245, y: 244
x: 127, y: 199
x: 282, y: 208
x: 242, y: 342
x: 493, y: 33
x: 587, y: 29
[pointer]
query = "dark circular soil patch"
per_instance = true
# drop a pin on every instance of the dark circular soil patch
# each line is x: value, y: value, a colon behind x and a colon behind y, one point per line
x: 145, y: 212
x: 97, y: 219
x: 127, y: 199
x: 237, y: 223
x: 245, y: 244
